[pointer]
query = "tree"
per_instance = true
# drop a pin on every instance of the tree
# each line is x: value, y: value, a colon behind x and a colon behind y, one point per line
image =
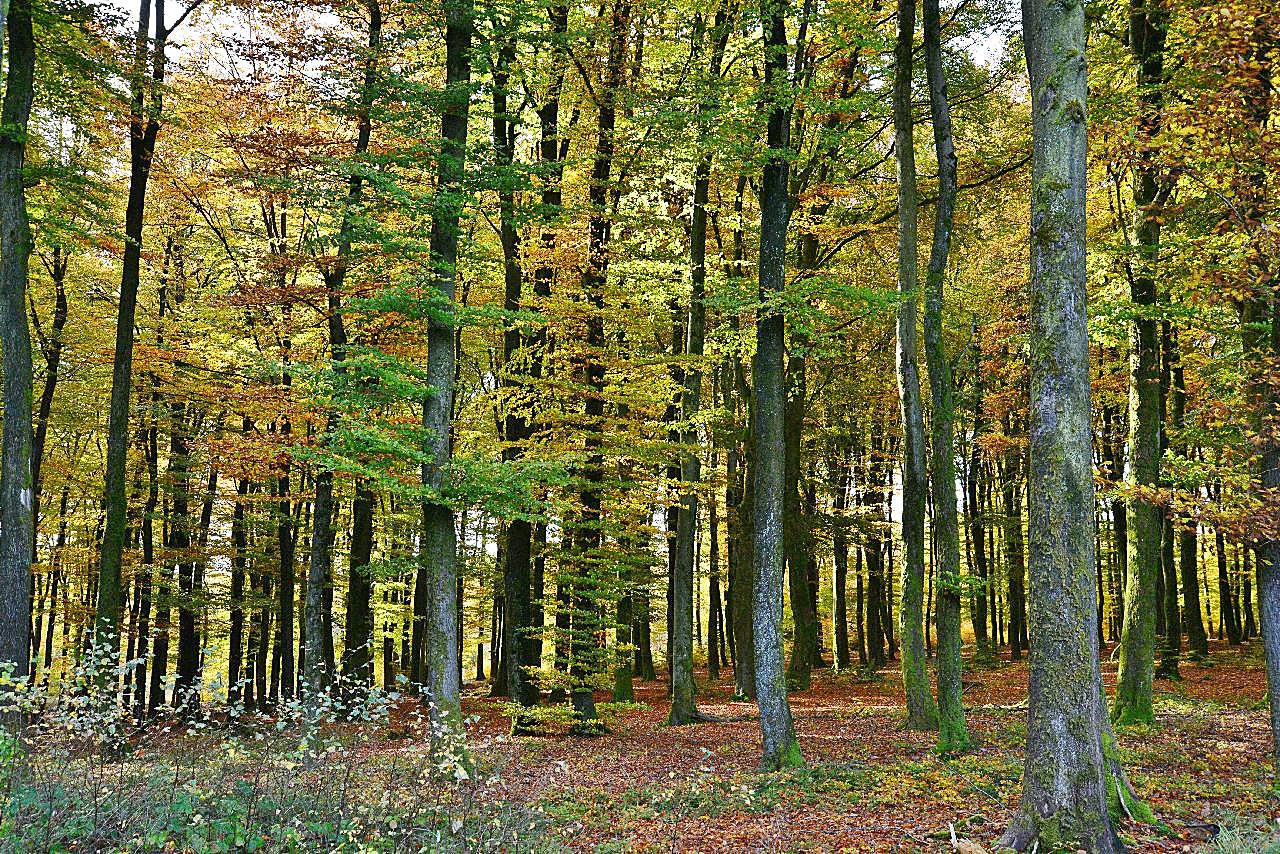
x: 1065, y: 777
x: 1147, y: 25
x: 953, y: 736
x: 146, y: 82
x: 16, y: 486
x: 922, y: 711
x: 781, y: 749
x: 439, y: 539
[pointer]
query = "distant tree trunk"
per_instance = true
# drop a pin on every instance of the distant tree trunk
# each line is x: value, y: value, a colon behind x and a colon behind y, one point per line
x: 1226, y: 611
x: 861, y: 628
x: 804, y: 648
x: 186, y: 694
x: 283, y: 674
x: 1169, y: 627
x: 715, y: 614
x: 741, y: 466
x: 589, y: 536
x: 1192, y: 619
x: 922, y: 711
x: 1017, y: 630
x: 439, y: 539
x: 953, y: 734
x: 769, y: 397
x: 17, y: 487
x: 315, y: 673
x: 517, y: 428
x: 357, y: 647
x: 51, y: 346
x: 145, y: 110
x: 839, y: 470
x: 239, y: 562
x: 1065, y: 785
x: 973, y: 499
x: 552, y: 150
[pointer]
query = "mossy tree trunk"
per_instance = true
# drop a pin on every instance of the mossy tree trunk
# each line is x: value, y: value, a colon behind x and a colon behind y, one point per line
x: 922, y: 711
x: 1145, y: 521
x: 953, y: 735
x: 1066, y: 772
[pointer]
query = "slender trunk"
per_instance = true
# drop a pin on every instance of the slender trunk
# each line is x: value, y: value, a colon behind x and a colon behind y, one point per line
x: 973, y: 498
x: 922, y: 711
x: 1014, y: 556
x: 239, y: 561
x: 769, y: 397
x: 1133, y: 702
x: 804, y: 649
x: 144, y: 126
x: 439, y: 539
x: 953, y: 734
x: 357, y: 652
x: 517, y: 428
x: 839, y: 468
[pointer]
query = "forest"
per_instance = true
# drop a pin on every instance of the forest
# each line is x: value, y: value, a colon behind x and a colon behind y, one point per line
x: 533, y: 425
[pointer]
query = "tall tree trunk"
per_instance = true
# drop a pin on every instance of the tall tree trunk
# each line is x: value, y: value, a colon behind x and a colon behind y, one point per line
x: 439, y: 539
x: 1192, y: 618
x: 589, y: 536
x: 768, y: 410
x: 16, y: 486
x: 1014, y: 555
x: 1147, y: 23
x: 1065, y: 785
x: 239, y: 562
x: 1169, y: 622
x: 186, y: 693
x: 517, y: 428
x: 1227, y: 613
x: 715, y: 613
x: 922, y: 711
x: 684, y: 707
x: 953, y: 735
x: 144, y: 126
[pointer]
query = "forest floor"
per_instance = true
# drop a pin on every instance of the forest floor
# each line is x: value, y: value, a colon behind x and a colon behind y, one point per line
x: 385, y: 785
x: 870, y: 785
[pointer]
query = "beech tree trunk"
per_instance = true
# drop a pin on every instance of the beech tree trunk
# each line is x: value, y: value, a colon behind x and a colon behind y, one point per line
x: 439, y: 555
x: 1064, y: 794
x: 1145, y: 520
x: 922, y: 711
x: 144, y: 126
x: 953, y: 735
x: 16, y: 486
x: 769, y: 398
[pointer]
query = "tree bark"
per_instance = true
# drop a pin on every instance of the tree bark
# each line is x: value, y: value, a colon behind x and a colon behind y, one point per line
x: 922, y: 711
x: 1065, y: 775
x: 953, y: 735
x: 16, y: 486
x: 781, y: 749
x: 144, y: 126
x: 439, y: 539
x: 1147, y: 22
